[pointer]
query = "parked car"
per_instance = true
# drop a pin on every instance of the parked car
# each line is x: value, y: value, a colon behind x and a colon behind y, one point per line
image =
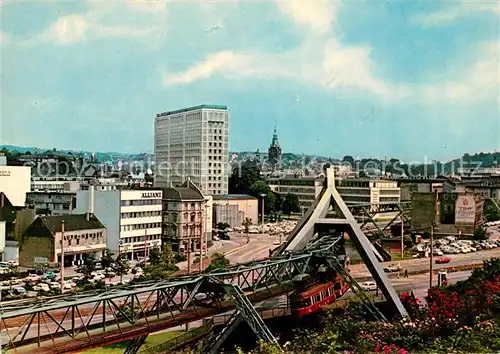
x: 368, y: 286
x: 41, y: 287
x: 50, y: 275
x: 443, y: 260
x: 13, y: 263
x: 20, y: 290
x: 33, y: 278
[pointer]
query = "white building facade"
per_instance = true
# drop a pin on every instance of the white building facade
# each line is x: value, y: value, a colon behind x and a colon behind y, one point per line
x: 366, y: 191
x: 15, y: 182
x: 193, y: 142
x: 132, y: 218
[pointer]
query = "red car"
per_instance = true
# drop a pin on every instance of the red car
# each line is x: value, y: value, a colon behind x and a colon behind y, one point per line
x: 443, y: 260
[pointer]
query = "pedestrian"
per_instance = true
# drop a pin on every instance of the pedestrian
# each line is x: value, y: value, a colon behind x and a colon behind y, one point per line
x: 406, y: 273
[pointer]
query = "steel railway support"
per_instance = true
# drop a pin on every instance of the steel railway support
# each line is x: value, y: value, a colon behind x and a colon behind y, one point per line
x: 135, y: 344
x: 304, y: 233
x: 245, y: 312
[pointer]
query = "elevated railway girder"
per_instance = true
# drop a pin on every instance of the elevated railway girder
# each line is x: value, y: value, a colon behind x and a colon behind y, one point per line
x: 80, y: 322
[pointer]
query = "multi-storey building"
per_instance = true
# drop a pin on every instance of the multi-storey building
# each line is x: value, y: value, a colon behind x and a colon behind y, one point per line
x: 306, y: 188
x: 234, y: 208
x: 352, y: 191
x: 52, y: 203
x: 368, y: 191
x: 15, y: 182
x: 131, y: 216
x: 184, y: 218
x: 193, y: 142
x: 83, y: 234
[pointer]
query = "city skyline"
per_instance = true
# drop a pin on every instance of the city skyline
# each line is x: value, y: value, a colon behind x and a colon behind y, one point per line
x: 90, y: 74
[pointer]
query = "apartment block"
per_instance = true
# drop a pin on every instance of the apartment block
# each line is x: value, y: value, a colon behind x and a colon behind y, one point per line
x: 193, y: 143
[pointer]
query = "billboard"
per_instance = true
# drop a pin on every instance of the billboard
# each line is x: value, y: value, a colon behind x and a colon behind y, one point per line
x: 465, y: 209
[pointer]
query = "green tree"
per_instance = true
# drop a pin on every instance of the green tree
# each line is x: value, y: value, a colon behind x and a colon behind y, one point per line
x: 154, y: 256
x: 107, y: 259
x: 244, y: 176
x: 291, y: 204
x: 121, y: 266
x: 161, y: 263
x: 278, y: 202
x: 258, y: 188
x: 167, y: 256
x: 480, y: 233
x: 88, y: 266
x: 218, y: 261
x: 491, y: 211
x: 223, y: 226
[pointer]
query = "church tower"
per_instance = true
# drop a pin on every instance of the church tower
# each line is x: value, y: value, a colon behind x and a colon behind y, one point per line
x: 274, y: 152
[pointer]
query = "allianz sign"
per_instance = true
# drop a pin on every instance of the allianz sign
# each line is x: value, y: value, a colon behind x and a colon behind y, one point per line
x: 151, y: 195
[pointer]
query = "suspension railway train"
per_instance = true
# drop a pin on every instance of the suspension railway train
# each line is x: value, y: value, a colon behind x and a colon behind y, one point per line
x: 311, y: 298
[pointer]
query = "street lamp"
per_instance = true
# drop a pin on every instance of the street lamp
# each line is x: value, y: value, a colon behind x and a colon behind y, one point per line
x: 263, y: 195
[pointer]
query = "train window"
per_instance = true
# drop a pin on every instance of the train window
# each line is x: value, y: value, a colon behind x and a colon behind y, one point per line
x: 306, y: 302
x: 317, y: 298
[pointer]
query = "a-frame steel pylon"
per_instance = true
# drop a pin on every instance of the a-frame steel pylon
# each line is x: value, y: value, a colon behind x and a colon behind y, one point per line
x: 328, y: 201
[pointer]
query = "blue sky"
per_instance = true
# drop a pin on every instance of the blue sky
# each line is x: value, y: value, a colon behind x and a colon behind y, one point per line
x: 408, y: 79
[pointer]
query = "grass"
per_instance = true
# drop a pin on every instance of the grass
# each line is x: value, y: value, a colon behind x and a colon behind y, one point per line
x: 152, y: 341
x: 397, y: 256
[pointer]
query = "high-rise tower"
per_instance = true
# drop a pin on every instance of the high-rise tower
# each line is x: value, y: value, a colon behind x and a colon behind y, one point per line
x: 193, y: 143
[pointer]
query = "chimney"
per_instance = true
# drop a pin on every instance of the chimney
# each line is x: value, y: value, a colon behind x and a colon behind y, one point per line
x: 91, y: 201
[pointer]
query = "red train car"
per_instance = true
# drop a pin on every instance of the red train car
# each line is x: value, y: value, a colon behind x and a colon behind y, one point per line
x: 307, y: 301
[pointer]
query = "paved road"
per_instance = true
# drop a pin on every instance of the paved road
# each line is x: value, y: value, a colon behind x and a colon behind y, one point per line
x: 360, y: 270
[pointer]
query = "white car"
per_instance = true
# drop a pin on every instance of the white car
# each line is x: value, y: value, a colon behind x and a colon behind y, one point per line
x: 33, y: 278
x: 41, y: 287
x: 368, y: 286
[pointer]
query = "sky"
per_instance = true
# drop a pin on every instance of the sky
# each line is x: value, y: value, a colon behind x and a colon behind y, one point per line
x: 406, y: 79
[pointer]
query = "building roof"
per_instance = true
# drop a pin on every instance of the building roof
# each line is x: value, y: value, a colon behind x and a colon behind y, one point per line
x: 52, y: 192
x: 74, y: 222
x: 194, y: 108
x: 233, y: 197
x: 187, y: 191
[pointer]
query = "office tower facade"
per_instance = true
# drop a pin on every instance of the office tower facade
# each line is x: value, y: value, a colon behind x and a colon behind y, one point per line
x: 193, y: 143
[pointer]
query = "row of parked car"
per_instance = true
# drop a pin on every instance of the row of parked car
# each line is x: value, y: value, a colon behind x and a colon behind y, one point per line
x: 49, y: 281
x: 450, y: 245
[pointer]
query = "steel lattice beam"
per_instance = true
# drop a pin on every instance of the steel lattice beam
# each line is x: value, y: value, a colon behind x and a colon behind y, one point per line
x: 78, y: 322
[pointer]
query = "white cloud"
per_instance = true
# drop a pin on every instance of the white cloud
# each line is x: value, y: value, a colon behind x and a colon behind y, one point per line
x: 336, y: 67
x: 222, y: 62
x: 482, y: 81
x: 352, y: 67
x: 70, y: 29
x: 317, y: 15
x: 107, y: 19
x: 455, y: 11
